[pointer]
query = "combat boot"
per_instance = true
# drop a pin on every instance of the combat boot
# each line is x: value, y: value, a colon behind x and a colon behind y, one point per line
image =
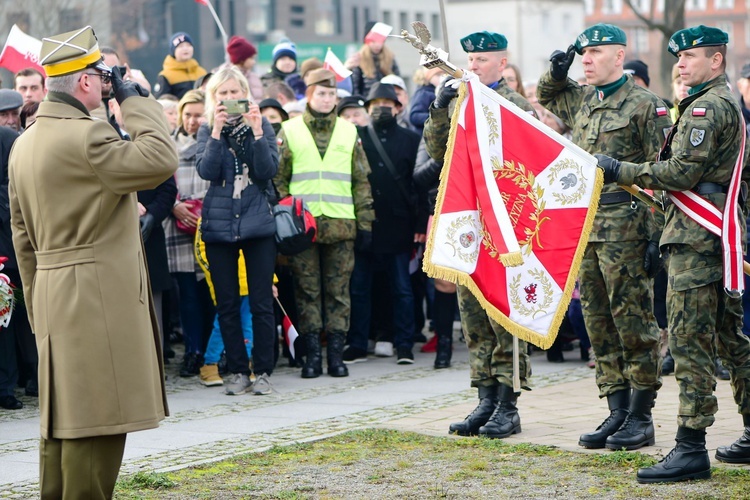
x: 487, y: 403
x: 314, y: 359
x: 638, y: 429
x: 619, y: 403
x: 335, y: 354
x: 444, y: 351
x: 504, y: 421
x: 739, y: 451
x: 688, y: 460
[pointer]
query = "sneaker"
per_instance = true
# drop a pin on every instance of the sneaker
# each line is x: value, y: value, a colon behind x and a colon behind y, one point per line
x: 405, y: 356
x: 210, y: 376
x: 238, y: 384
x: 353, y: 355
x: 384, y: 349
x: 262, y: 385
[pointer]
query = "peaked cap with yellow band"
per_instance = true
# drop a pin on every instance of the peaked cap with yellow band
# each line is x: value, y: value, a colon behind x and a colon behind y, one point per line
x: 71, y: 52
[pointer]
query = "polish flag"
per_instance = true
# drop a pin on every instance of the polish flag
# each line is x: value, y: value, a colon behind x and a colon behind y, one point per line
x: 21, y: 51
x: 202, y: 2
x: 290, y: 334
x: 333, y: 63
x: 378, y: 33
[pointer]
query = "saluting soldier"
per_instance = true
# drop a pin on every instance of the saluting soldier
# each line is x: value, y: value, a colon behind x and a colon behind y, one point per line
x: 490, y: 345
x: 702, y: 154
x: 615, y: 116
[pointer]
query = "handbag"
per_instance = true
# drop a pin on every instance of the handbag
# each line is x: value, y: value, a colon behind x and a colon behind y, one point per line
x: 295, y: 226
x: 195, y: 207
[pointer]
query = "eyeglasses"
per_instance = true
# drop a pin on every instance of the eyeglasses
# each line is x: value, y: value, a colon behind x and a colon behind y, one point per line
x: 106, y: 77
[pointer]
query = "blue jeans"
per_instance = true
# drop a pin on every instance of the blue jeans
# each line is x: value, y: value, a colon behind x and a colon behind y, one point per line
x: 396, y: 266
x: 216, y: 344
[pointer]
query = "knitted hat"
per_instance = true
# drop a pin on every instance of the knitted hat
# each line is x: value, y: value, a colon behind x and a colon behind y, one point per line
x: 638, y: 68
x: 177, y: 39
x: 239, y: 49
x: 284, y: 48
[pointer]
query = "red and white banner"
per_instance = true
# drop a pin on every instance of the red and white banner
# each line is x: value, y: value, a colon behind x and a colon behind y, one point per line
x: 514, y: 211
x: 290, y: 334
x: 378, y: 33
x: 202, y: 2
x: 21, y: 51
x: 333, y: 63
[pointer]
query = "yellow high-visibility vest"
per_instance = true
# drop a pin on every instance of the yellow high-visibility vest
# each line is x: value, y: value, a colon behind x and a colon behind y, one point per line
x: 325, y: 184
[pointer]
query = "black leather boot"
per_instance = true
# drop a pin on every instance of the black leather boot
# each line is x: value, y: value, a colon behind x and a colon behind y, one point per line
x: 739, y: 451
x: 638, y: 429
x: 504, y: 421
x: 481, y: 414
x: 688, y: 460
x: 444, y: 352
x: 618, y: 402
x: 444, y: 310
x: 314, y: 359
x: 335, y: 353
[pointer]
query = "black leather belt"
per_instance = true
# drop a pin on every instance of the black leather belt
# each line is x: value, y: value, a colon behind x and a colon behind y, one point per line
x: 615, y: 197
x: 703, y: 188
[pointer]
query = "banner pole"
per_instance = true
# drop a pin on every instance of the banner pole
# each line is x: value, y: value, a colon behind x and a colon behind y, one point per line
x: 221, y: 29
x: 516, y: 369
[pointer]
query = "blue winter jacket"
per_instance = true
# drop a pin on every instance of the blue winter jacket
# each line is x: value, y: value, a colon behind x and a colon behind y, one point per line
x: 229, y: 220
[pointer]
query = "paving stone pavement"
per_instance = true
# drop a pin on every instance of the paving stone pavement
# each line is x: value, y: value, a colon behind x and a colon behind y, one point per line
x: 206, y: 425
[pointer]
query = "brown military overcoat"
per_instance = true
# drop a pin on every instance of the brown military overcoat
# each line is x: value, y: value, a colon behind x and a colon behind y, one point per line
x: 76, y: 235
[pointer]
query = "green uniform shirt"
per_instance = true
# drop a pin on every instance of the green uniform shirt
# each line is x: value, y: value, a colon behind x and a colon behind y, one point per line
x: 629, y: 125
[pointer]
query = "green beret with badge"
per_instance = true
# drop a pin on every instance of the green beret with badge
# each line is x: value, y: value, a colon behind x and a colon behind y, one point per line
x: 697, y: 36
x: 600, y: 34
x: 484, y: 41
x: 71, y: 52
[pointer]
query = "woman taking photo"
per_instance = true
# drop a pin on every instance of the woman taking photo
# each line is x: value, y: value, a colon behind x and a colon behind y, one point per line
x: 323, y: 163
x: 237, y: 153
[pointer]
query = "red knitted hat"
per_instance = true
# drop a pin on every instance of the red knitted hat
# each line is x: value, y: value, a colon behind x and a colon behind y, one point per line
x: 240, y: 49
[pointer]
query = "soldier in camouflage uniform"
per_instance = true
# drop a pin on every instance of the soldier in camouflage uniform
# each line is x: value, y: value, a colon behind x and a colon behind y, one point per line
x: 490, y: 345
x: 322, y: 161
x: 615, y: 116
x: 699, y: 156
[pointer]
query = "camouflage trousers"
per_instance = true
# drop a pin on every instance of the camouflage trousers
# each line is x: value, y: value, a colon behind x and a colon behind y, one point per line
x: 321, y: 287
x: 704, y: 321
x: 617, y: 301
x: 490, y: 346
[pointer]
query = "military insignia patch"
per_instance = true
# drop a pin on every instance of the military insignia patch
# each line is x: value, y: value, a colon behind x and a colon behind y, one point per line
x: 279, y: 141
x: 583, y: 40
x: 673, y: 45
x: 699, y: 111
x: 696, y: 136
x: 661, y: 111
x: 468, y: 46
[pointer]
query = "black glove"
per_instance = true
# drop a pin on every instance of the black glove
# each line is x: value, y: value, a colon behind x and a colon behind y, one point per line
x: 444, y: 95
x: 652, y: 259
x: 147, y: 224
x: 560, y: 63
x: 363, y: 243
x: 610, y: 166
x: 123, y: 89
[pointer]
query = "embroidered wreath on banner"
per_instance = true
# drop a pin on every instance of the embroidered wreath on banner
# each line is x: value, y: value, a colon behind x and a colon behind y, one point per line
x: 568, y: 181
x: 524, y: 179
x: 491, y: 123
x: 464, y: 240
x: 530, y: 292
x: 487, y: 242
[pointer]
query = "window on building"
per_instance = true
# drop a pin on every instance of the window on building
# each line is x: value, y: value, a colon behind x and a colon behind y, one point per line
x: 388, y: 17
x: 612, y: 7
x: 419, y: 16
x: 695, y: 5
x: 588, y: 7
x: 297, y: 9
x: 403, y: 19
x: 436, y: 28
x: 259, y: 17
x: 297, y: 23
x: 724, y: 4
x: 327, y: 17
x: 660, y: 5
x: 70, y: 19
x: 640, y: 40
x: 643, y: 6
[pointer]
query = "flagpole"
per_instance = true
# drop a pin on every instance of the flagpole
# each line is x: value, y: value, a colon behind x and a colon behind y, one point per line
x: 283, y: 311
x: 221, y: 28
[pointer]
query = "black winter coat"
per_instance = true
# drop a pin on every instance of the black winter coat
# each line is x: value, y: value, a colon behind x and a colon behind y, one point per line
x: 393, y: 227
x: 159, y: 203
x: 229, y: 220
x: 7, y: 137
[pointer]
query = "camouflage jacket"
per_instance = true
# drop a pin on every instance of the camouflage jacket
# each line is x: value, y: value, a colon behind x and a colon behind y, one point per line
x: 331, y: 230
x: 438, y: 124
x: 625, y: 125
x: 704, y: 148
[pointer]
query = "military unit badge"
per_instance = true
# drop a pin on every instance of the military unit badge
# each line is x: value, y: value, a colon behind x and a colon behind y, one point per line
x: 583, y: 40
x: 468, y: 46
x: 696, y: 136
x: 673, y: 45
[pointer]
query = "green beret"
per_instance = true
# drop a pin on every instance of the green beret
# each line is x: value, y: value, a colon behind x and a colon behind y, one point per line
x: 484, y: 41
x: 697, y: 36
x: 600, y: 34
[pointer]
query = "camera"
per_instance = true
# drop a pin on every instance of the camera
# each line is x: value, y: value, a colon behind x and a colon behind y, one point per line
x: 236, y: 106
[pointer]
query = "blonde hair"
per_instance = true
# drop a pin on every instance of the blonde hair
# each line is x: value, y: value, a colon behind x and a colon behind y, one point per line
x: 515, y: 69
x: 190, y: 97
x: 367, y: 61
x: 218, y: 79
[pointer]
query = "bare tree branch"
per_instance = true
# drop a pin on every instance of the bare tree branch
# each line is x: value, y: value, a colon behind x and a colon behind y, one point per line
x: 649, y: 21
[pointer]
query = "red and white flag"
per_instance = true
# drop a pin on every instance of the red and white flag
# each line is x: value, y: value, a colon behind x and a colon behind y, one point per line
x: 21, y: 51
x: 378, y: 33
x: 290, y: 334
x: 202, y: 2
x: 333, y: 63
x: 514, y: 211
